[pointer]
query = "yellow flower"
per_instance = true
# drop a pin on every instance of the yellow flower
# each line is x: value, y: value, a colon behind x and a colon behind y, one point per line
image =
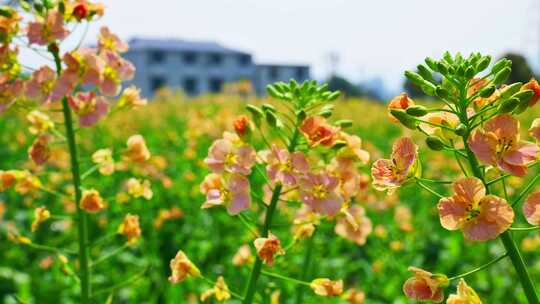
x: 130, y: 228
x: 137, y: 150
x: 181, y: 268
x: 268, y: 248
x: 41, y: 214
x: 326, y: 287
x: 103, y: 158
x: 91, y: 201
x: 39, y: 122
x: 465, y: 295
x: 137, y: 189
x: 243, y: 256
x: 220, y: 291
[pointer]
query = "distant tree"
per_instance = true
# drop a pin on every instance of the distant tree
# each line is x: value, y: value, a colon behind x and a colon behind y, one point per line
x: 521, y: 71
x: 345, y: 86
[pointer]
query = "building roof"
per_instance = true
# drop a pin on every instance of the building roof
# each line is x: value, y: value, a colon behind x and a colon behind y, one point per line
x: 282, y: 65
x: 137, y: 44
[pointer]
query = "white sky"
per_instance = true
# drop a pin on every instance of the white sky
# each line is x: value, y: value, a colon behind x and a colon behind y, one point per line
x: 381, y: 37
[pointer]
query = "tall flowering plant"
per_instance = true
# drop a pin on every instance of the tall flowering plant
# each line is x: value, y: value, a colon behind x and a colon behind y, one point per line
x: 73, y: 91
x: 479, y: 125
x: 310, y: 166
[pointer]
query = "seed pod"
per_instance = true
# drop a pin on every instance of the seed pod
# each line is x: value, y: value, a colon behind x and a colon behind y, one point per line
x: 435, y: 143
x: 415, y: 78
x: 326, y: 113
x: 404, y: 118
x: 461, y: 129
x: 255, y: 112
x: 442, y: 67
x: 417, y: 111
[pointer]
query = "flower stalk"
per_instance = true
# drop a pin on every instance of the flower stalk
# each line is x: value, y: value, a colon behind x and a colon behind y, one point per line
x: 82, y: 218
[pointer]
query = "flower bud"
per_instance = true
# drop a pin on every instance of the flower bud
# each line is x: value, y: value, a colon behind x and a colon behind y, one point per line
x: 508, y: 105
x: 431, y: 63
x: 256, y: 113
x: 417, y: 111
x: 442, y: 67
x: 502, y: 75
x: 499, y: 65
x: 272, y: 91
x: 344, y: 123
x: 435, y: 143
x: 487, y: 91
x: 271, y: 118
x: 482, y: 64
x: 511, y: 90
x: 333, y: 96
x: 442, y: 92
x: 301, y: 115
x: 425, y: 73
x: 404, y: 118
x: 461, y: 129
x: 470, y: 72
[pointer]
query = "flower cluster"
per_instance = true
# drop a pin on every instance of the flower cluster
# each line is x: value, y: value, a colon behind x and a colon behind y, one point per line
x: 292, y: 172
x: 478, y: 124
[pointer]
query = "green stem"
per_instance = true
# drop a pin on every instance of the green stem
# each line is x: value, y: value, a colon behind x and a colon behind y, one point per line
x: 82, y: 219
x: 512, y: 250
x: 525, y: 228
x: 284, y: 278
x: 479, y: 268
x: 257, y: 267
x: 526, y: 190
x: 419, y: 183
x: 306, y: 267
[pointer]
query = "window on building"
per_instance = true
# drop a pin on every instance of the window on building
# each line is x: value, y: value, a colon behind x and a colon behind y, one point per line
x: 157, y: 82
x: 215, y: 59
x: 157, y: 57
x: 244, y: 59
x: 274, y: 72
x: 215, y: 84
x: 189, y: 57
x: 190, y: 85
x: 301, y: 73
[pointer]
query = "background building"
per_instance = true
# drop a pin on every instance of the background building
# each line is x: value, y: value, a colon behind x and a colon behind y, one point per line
x: 201, y: 67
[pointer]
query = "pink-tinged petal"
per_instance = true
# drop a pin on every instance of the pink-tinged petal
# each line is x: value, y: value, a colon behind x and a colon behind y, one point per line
x: 330, y: 181
x: 329, y: 206
x: 383, y: 174
x: 497, y: 210
x: 503, y: 126
x: 479, y: 230
x: 299, y: 162
x: 534, y: 131
x: 452, y: 213
x: 514, y: 170
x: 213, y: 198
x: 469, y: 189
x: 484, y: 146
x: 404, y: 154
x: 64, y: 85
x: 90, y: 119
x: 531, y: 209
x: 245, y: 159
x: 240, y: 202
x: 522, y: 154
x: 110, y: 87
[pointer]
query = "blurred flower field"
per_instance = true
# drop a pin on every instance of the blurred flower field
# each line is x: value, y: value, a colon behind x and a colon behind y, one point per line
x: 178, y: 131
